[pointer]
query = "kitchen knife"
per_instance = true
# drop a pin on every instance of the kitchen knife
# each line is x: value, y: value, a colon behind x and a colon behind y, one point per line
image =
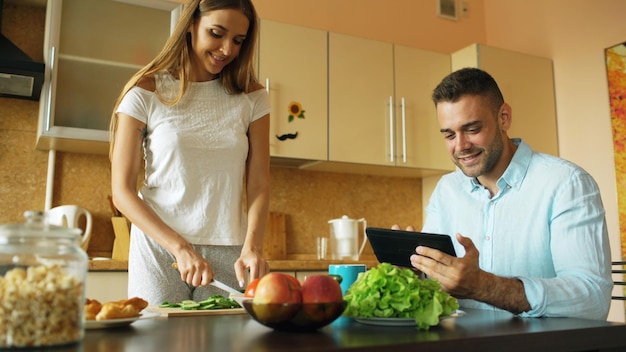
x: 224, y: 287
x: 216, y: 283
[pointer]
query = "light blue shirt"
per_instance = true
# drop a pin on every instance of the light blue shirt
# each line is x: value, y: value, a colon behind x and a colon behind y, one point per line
x: 545, y: 226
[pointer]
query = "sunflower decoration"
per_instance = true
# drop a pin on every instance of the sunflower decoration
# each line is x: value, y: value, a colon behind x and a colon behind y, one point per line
x: 295, y: 110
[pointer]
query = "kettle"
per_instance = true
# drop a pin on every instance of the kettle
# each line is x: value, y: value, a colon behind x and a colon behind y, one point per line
x: 344, y: 238
x: 68, y: 216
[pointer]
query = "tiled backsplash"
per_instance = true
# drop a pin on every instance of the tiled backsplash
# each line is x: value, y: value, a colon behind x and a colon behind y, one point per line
x: 311, y: 198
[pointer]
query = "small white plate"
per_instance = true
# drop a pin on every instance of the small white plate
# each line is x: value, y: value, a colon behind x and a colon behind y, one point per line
x: 113, y: 323
x: 402, y: 321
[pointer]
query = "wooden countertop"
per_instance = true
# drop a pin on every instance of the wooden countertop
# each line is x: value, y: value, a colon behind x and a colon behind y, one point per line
x: 302, y: 262
x: 108, y: 265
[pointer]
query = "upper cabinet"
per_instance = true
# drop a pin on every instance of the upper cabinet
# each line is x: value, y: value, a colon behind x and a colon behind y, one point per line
x: 419, y: 142
x: 527, y: 84
x: 293, y: 67
x: 91, y: 50
x: 380, y: 112
x: 361, y: 104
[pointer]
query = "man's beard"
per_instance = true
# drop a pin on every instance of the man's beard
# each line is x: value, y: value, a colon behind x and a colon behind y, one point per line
x: 489, y: 157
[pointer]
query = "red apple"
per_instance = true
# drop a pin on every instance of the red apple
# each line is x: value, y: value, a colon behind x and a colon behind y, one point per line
x: 321, y: 298
x: 277, y: 287
x: 251, y: 288
x: 277, y: 298
x: 321, y: 289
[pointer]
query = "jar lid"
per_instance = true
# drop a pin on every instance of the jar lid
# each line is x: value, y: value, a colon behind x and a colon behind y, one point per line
x: 37, y: 226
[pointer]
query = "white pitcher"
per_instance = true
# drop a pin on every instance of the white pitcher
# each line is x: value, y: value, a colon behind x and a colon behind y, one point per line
x: 344, y: 238
x: 68, y: 216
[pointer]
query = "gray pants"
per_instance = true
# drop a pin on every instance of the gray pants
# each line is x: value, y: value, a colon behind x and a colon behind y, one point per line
x: 151, y: 276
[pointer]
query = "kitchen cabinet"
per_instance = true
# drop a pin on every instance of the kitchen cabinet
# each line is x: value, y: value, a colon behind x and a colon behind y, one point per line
x: 527, y: 84
x: 419, y: 142
x: 361, y: 93
x: 293, y: 67
x: 91, y: 49
x: 106, y: 286
x: 380, y: 111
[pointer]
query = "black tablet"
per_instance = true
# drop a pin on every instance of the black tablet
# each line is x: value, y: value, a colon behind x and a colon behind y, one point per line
x: 397, y: 246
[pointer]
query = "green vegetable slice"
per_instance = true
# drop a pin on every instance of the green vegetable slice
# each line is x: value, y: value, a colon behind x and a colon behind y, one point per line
x: 388, y: 291
x: 213, y: 302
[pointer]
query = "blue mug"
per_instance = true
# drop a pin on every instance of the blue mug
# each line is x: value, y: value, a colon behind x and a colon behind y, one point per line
x: 348, y: 273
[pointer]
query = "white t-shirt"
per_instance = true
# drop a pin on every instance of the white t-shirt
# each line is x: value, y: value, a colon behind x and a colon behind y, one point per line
x: 195, y: 154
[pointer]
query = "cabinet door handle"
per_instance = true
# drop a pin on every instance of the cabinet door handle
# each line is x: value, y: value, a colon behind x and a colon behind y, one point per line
x: 267, y: 85
x: 49, y: 97
x: 391, y: 131
x: 403, y: 131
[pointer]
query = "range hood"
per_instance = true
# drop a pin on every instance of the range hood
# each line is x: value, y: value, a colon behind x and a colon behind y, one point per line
x: 20, y: 76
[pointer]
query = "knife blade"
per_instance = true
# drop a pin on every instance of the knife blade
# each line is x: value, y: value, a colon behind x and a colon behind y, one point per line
x: 216, y: 283
x: 224, y: 287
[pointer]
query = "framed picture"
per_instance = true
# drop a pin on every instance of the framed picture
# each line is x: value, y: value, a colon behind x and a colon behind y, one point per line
x: 447, y: 9
x: 616, y: 78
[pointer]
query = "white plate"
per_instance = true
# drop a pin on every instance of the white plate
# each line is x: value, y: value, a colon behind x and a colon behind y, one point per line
x: 113, y: 323
x: 402, y: 321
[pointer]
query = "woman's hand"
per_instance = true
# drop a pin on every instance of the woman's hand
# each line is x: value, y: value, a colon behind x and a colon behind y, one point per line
x: 193, y: 268
x: 254, y: 262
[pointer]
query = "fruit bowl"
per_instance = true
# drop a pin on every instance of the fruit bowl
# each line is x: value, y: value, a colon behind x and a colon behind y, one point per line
x: 300, y: 317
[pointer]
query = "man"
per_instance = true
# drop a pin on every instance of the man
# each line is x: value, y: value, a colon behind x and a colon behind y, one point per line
x: 531, y: 236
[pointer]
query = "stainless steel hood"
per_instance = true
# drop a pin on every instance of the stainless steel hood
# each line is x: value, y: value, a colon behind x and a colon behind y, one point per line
x: 20, y: 76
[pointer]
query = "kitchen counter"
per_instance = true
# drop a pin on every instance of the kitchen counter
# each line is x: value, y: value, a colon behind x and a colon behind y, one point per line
x: 292, y: 263
x: 108, y: 265
x: 303, y: 262
x: 478, y: 330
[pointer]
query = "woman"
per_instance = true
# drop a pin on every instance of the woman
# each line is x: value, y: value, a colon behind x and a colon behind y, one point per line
x: 202, y: 121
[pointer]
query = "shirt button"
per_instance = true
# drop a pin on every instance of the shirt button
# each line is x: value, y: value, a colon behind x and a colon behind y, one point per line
x: 488, y: 238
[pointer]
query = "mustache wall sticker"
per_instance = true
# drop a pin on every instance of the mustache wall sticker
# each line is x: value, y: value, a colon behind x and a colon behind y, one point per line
x: 286, y: 136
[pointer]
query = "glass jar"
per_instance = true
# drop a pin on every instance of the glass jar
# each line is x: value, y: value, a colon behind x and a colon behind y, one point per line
x: 42, y: 284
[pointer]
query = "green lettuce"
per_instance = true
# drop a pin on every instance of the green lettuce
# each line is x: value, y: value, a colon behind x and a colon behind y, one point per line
x: 388, y: 291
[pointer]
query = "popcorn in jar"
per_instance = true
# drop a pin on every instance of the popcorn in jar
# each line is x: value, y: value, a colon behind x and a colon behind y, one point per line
x: 42, y: 276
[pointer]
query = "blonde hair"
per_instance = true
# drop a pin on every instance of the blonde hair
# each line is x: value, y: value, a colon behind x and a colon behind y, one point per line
x: 236, y: 77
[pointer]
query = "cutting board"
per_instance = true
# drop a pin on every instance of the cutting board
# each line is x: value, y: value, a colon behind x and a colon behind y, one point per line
x: 121, y: 244
x: 177, y: 312
x: 274, y: 242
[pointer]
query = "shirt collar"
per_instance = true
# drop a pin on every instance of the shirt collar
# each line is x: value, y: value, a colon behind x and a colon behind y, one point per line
x: 514, y: 174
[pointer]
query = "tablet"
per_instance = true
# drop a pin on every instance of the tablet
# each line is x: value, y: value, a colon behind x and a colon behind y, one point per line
x: 397, y: 246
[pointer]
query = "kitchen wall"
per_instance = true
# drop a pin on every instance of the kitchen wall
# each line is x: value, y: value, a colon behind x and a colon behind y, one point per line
x: 405, y: 22
x: 308, y: 198
x: 572, y: 33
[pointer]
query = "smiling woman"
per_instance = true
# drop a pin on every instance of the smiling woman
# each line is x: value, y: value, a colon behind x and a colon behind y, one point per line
x: 201, y: 120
